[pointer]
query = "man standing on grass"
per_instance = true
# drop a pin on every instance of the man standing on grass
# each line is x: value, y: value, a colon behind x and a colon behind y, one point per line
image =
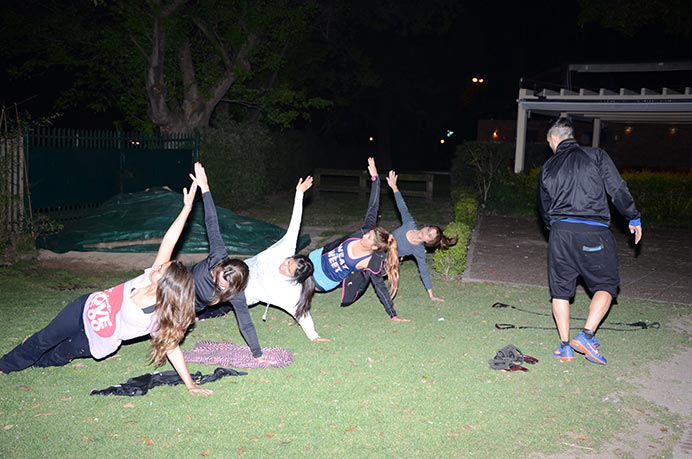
x: 574, y: 186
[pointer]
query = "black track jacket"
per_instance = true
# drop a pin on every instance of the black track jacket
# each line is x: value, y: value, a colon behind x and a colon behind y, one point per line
x: 576, y: 182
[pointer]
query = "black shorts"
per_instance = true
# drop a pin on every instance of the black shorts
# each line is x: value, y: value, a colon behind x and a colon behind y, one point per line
x: 577, y: 249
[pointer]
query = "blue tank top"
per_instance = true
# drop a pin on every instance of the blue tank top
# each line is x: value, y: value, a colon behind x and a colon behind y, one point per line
x: 337, y: 263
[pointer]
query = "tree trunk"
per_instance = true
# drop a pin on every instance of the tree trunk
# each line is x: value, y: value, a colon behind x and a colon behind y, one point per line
x: 194, y: 111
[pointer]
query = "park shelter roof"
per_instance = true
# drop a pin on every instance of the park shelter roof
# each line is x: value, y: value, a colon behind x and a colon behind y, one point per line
x: 626, y: 105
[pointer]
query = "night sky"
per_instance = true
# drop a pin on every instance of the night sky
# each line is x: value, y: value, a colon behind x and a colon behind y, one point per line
x: 427, y: 86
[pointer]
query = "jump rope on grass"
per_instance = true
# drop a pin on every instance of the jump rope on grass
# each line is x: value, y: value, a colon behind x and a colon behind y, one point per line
x: 634, y: 326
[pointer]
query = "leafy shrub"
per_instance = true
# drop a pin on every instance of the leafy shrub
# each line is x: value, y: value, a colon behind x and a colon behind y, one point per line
x: 45, y: 225
x: 480, y: 164
x: 466, y: 209
x: 662, y: 197
x: 451, y: 263
x: 514, y: 194
x: 235, y: 156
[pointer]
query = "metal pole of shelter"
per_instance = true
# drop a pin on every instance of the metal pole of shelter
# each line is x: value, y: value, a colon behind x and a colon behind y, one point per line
x: 520, y: 150
x: 596, y: 137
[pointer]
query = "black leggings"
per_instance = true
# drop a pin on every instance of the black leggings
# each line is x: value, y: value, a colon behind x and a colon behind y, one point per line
x: 61, y: 341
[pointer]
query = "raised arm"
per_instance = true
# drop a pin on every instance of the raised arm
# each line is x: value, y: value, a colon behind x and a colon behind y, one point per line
x: 297, y: 216
x: 217, y: 248
x: 374, y: 203
x: 391, y: 181
x: 170, y: 239
x: 290, y: 239
x: 400, y: 203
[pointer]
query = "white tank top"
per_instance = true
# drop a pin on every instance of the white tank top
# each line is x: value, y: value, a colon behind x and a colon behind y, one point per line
x: 111, y: 316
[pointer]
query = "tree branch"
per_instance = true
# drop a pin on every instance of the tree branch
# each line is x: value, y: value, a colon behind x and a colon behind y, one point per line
x: 216, y: 42
x: 155, y: 80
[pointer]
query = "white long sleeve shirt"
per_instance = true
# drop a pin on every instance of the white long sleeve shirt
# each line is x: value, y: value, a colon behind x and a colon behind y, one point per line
x: 268, y: 285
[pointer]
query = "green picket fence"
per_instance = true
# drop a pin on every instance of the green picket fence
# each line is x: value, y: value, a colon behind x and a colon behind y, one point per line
x: 70, y: 171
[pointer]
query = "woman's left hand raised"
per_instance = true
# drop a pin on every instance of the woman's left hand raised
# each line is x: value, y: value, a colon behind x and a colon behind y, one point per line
x: 304, y: 185
x: 372, y: 169
x: 189, y: 196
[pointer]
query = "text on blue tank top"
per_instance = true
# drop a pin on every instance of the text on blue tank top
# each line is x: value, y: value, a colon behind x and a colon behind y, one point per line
x: 337, y: 263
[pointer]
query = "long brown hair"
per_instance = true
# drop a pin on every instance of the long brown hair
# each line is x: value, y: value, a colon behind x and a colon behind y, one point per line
x: 174, y: 310
x: 385, y: 241
x: 236, y: 274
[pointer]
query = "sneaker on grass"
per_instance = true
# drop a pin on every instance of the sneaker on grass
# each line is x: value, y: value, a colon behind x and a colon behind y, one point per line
x: 564, y: 353
x: 588, y: 347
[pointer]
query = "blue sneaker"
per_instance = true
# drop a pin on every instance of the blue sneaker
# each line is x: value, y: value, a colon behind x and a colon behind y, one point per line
x: 564, y: 353
x: 588, y: 347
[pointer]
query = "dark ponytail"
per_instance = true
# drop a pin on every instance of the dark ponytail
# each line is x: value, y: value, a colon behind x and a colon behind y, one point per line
x: 303, y: 276
x: 441, y: 241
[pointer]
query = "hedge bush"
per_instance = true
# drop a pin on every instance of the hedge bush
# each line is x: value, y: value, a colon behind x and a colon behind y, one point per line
x: 451, y: 263
x: 663, y: 198
x: 466, y: 209
x: 514, y: 194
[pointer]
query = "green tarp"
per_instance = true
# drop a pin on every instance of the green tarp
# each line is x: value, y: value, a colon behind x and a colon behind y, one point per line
x: 136, y: 222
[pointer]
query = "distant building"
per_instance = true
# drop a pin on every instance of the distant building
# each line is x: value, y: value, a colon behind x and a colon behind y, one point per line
x: 641, y: 113
x: 630, y: 145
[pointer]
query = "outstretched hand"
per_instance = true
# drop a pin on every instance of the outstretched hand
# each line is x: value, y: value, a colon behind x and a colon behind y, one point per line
x: 637, y: 231
x: 399, y: 319
x: 189, y: 196
x: 201, y: 176
x: 391, y: 181
x: 372, y: 169
x: 265, y: 360
x: 321, y: 339
x: 199, y: 390
x: 304, y: 185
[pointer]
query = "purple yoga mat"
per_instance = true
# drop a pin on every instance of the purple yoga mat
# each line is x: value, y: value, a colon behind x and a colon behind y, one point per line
x: 231, y: 355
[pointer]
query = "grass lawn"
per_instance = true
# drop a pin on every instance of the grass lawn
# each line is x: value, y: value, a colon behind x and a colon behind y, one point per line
x: 380, y: 389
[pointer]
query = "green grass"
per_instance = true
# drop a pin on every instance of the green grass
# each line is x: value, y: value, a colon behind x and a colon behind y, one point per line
x: 380, y: 389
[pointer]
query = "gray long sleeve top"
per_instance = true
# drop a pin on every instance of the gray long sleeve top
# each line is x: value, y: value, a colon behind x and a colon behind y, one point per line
x: 405, y: 247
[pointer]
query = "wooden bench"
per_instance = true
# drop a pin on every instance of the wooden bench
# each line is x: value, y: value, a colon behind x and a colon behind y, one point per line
x: 358, y: 181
